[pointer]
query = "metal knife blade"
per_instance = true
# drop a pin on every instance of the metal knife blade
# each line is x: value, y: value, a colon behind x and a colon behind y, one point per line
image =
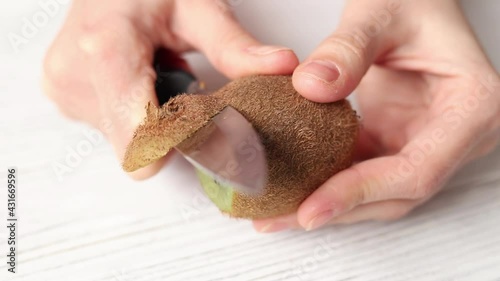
x: 230, y: 150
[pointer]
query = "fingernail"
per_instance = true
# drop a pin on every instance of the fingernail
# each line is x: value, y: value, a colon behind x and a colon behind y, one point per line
x: 321, y: 70
x: 266, y: 50
x: 320, y: 220
x: 273, y: 227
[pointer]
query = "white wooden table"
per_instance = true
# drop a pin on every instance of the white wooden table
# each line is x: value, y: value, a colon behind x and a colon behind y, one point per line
x: 97, y: 224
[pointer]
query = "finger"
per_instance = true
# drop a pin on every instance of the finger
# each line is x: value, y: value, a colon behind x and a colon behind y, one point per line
x: 417, y: 172
x: 378, y: 211
x: 276, y: 224
x: 61, y: 81
x: 123, y: 79
x: 336, y: 66
x: 209, y: 26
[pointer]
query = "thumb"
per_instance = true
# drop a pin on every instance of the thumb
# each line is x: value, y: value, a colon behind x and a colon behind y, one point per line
x: 123, y: 78
x: 210, y: 27
x: 337, y: 65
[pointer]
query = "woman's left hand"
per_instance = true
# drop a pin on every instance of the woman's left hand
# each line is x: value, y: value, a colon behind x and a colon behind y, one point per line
x: 429, y: 100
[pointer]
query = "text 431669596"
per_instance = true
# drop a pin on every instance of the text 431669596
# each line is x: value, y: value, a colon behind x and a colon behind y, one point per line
x: 11, y: 219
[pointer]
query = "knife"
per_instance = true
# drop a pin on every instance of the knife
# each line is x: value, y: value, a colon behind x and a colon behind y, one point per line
x: 231, y: 152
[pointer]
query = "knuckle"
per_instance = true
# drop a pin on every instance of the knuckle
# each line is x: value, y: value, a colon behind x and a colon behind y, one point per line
x: 348, y: 44
x: 104, y: 39
x: 364, y: 192
x: 336, y: 198
x: 484, y: 99
x: 423, y: 188
x: 221, y: 60
x: 421, y: 180
x: 98, y: 45
x: 57, y: 70
x: 224, y: 58
x: 419, y: 192
x: 489, y: 118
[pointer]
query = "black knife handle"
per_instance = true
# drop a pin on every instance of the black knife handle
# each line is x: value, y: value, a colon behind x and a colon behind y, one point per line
x: 172, y: 75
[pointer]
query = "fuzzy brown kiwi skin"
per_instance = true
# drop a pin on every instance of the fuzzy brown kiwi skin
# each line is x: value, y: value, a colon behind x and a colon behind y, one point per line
x: 306, y: 143
x: 167, y: 126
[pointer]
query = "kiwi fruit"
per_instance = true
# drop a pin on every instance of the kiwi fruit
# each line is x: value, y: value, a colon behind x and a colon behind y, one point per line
x: 306, y: 142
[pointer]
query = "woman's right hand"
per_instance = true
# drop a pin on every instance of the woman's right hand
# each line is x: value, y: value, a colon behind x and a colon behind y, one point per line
x: 99, y: 69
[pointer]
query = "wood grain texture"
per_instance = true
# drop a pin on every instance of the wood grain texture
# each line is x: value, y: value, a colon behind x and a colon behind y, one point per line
x: 95, y: 224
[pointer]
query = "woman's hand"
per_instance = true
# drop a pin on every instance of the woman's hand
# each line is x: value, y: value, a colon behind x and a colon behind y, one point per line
x: 429, y: 101
x: 99, y: 69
